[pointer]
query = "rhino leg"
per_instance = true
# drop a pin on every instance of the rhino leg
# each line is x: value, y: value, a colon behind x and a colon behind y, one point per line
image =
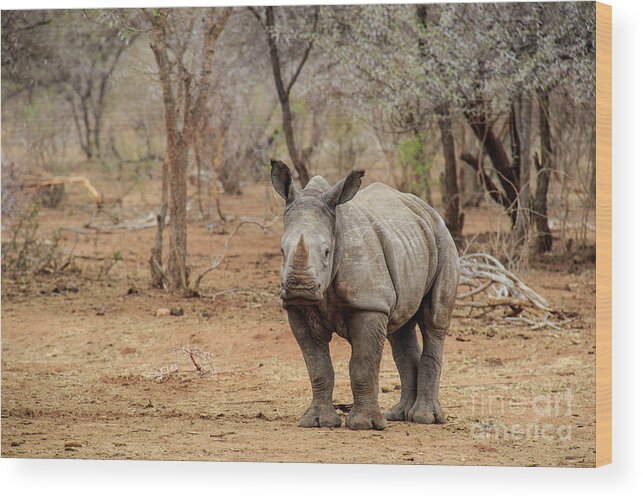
x: 314, y: 346
x: 366, y: 334
x: 406, y: 353
x: 434, y: 320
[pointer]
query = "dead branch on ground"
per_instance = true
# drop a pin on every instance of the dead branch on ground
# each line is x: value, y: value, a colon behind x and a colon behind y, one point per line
x: 43, y: 179
x: 160, y: 375
x: 484, y: 273
x: 203, y: 361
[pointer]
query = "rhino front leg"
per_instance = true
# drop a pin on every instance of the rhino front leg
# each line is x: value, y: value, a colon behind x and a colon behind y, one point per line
x: 314, y: 346
x: 367, y: 333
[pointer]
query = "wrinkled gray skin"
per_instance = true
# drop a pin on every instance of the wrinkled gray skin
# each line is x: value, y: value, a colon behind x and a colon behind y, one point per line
x: 369, y: 266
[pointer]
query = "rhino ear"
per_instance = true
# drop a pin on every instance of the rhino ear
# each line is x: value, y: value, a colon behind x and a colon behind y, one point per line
x: 344, y: 190
x: 282, y: 180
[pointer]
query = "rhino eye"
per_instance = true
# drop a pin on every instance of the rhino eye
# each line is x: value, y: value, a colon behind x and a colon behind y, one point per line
x: 326, y: 253
x: 282, y: 252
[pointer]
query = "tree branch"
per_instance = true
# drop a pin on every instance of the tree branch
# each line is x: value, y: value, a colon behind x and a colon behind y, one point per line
x: 217, y: 262
x: 486, y: 181
x: 306, y: 54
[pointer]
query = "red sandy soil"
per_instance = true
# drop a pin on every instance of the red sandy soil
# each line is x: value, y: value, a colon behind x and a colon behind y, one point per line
x: 79, y: 350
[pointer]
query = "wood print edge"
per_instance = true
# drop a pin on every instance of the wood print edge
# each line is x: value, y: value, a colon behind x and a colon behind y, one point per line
x: 603, y: 234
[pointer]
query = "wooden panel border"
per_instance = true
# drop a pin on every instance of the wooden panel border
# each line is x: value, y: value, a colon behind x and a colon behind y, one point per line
x: 603, y: 234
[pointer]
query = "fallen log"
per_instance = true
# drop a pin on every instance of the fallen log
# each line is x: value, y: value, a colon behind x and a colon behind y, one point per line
x: 43, y: 179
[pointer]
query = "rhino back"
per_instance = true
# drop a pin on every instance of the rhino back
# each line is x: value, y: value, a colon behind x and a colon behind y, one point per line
x: 389, y: 250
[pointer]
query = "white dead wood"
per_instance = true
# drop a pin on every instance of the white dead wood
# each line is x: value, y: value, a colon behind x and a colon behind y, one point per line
x: 486, y: 274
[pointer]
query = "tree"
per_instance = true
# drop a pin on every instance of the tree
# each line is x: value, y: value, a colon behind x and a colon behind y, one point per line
x: 71, y: 53
x: 520, y: 52
x: 392, y: 60
x: 88, y: 61
x: 26, y: 54
x: 543, y: 169
x: 522, y: 162
x: 237, y: 129
x: 269, y: 24
x: 485, y: 63
x: 183, y: 43
x: 453, y: 219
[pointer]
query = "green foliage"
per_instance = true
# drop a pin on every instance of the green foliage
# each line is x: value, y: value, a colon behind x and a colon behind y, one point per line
x: 464, y: 56
x: 410, y: 155
x: 297, y: 106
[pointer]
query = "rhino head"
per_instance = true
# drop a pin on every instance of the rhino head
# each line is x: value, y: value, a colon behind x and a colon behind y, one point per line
x: 308, y: 242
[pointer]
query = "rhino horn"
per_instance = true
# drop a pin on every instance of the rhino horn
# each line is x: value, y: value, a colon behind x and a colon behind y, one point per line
x: 300, y: 257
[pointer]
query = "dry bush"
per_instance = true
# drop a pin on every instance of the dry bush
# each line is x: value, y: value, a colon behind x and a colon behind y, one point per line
x: 203, y: 363
x: 24, y: 252
x: 13, y: 193
x: 504, y: 245
x: 50, y: 196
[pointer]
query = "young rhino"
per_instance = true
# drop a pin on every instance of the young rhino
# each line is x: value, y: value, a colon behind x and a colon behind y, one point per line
x: 368, y: 266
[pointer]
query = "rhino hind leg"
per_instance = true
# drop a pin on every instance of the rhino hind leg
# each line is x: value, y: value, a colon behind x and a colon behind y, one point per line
x: 406, y: 353
x: 434, y: 318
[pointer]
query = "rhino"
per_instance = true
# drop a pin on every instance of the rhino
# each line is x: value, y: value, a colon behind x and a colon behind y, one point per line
x: 368, y: 266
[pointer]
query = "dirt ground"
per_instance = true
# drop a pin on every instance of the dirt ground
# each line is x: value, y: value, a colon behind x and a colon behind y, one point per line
x: 83, y: 352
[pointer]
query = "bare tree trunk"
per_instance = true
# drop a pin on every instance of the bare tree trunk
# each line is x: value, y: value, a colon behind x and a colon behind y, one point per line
x: 186, y: 101
x: 213, y: 190
x: 89, y: 151
x: 82, y: 135
x: 514, y: 137
x: 481, y: 126
x: 99, y: 105
x: 543, y: 233
x: 177, y: 270
x: 173, y: 156
x: 446, y: 131
x: 524, y: 194
x: 452, y: 216
x: 97, y: 132
x: 199, y: 171
x: 284, y: 101
x: 471, y: 190
x: 283, y: 90
x: 156, y: 258
x: 496, y: 194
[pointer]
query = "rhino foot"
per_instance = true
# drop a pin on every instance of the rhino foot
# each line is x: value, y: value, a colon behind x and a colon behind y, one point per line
x: 364, y: 418
x: 400, y: 411
x: 426, y: 413
x: 324, y: 416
